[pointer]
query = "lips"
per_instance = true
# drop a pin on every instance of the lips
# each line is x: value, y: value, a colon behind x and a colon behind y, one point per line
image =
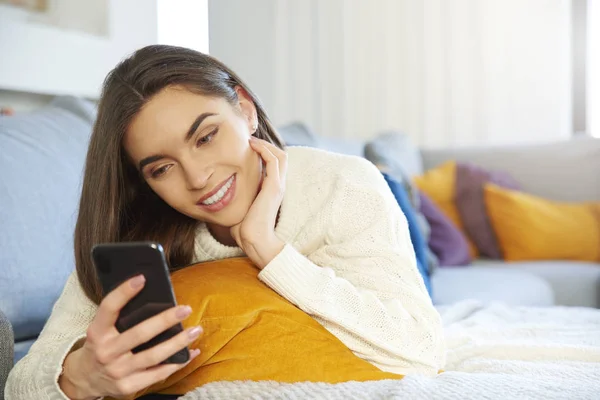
x: 219, y: 197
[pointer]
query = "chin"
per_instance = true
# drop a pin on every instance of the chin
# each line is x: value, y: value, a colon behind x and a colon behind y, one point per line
x: 228, y: 219
x: 226, y: 222
x: 234, y: 218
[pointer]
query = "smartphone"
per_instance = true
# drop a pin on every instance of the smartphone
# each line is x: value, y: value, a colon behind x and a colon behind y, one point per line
x: 117, y: 262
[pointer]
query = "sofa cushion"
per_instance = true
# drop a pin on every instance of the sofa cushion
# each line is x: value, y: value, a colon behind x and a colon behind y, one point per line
x: 574, y: 283
x: 418, y: 240
x: 532, y: 228
x: 396, y: 151
x: 439, y: 184
x: 352, y: 147
x: 297, y: 134
x: 445, y: 240
x: 44, y: 151
x: 392, y: 153
x: 255, y: 336
x: 490, y: 284
x: 470, y: 181
x: 22, y: 348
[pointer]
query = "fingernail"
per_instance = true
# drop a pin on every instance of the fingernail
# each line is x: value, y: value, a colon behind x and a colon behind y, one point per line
x: 194, y: 332
x: 195, y: 352
x: 138, y: 281
x: 183, y: 311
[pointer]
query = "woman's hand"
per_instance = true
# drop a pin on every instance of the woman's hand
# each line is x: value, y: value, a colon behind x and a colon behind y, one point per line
x: 256, y: 233
x: 106, y: 366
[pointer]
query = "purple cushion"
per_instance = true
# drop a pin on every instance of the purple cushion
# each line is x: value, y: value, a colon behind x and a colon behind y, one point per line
x: 470, y: 204
x: 445, y: 240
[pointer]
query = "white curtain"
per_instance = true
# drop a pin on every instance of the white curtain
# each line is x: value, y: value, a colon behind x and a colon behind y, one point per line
x: 447, y: 72
x: 593, y: 68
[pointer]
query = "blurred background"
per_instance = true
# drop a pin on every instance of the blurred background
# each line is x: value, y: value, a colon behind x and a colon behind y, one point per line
x: 446, y: 72
x: 482, y: 113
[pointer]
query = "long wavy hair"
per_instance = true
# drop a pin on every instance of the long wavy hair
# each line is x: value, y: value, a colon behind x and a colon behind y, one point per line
x: 116, y: 203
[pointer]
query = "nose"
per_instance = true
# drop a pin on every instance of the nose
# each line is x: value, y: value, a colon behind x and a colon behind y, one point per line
x: 196, y: 175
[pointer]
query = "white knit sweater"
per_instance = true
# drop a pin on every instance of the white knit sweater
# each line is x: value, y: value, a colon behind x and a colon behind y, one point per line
x: 348, y: 262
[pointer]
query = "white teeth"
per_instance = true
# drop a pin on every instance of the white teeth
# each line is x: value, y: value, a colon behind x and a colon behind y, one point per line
x: 219, y: 195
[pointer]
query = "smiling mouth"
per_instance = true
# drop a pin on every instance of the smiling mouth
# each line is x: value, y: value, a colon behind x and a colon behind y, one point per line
x: 220, y: 193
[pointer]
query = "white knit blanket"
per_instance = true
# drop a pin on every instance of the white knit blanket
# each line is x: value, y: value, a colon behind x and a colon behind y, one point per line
x: 494, y: 352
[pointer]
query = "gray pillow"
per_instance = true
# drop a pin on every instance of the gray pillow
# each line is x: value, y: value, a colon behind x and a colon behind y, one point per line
x: 394, y: 153
x: 297, y: 134
x: 42, y: 155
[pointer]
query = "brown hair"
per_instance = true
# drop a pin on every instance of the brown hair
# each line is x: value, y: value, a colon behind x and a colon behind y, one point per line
x: 116, y: 203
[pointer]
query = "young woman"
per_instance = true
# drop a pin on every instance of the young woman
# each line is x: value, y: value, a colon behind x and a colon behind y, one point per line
x: 182, y: 153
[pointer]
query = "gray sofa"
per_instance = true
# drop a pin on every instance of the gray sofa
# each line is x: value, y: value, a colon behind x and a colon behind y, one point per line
x: 564, y: 171
x: 6, y: 350
x: 45, y: 151
x: 42, y: 154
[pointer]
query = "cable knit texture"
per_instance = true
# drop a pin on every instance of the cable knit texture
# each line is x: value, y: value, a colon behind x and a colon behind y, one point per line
x: 348, y: 263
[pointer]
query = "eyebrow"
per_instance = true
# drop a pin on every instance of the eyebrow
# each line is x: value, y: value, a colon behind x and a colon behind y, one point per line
x: 188, y: 136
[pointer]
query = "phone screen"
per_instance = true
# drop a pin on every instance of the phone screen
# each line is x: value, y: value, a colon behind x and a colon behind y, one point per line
x: 117, y: 262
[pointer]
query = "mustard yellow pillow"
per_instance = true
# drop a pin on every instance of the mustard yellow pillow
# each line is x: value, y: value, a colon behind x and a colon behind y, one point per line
x: 531, y: 228
x: 252, y: 333
x: 439, y: 184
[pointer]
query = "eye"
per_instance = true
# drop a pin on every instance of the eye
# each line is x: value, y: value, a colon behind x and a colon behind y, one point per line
x: 207, y: 138
x: 157, y: 173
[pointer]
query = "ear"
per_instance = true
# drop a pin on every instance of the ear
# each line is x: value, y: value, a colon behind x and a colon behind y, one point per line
x: 247, y: 108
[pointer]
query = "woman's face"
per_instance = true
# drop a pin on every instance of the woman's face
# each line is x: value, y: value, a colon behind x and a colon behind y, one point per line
x: 194, y: 153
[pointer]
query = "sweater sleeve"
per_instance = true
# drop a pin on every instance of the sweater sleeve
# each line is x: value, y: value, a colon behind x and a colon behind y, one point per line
x: 35, y: 376
x: 363, y: 284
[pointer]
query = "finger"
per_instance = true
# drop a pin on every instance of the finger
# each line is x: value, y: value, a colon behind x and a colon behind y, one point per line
x: 111, y: 305
x: 271, y: 161
x: 274, y: 149
x: 148, y: 377
x: 279, y: 153
x: 157, y: 354
x: 148, y: 329
x: 282, y: 157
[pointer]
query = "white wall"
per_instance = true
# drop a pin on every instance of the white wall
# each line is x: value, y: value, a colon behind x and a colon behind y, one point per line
x: 579, y: 47
x: 183, y: 23
x: 21, y: 101
x: 46, y: 59
x: 71, y: 48
x: 593, y: 69
x: 447, y: 73
x: 242, y: 35
x: 89, y: 16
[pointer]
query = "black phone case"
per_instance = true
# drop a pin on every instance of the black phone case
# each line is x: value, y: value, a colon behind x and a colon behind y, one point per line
x: 118, y: 262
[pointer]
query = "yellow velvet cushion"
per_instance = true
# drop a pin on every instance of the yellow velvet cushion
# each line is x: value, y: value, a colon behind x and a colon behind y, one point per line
x: 531, y: 228
x: 252, y: 333
x: 439, y: 184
